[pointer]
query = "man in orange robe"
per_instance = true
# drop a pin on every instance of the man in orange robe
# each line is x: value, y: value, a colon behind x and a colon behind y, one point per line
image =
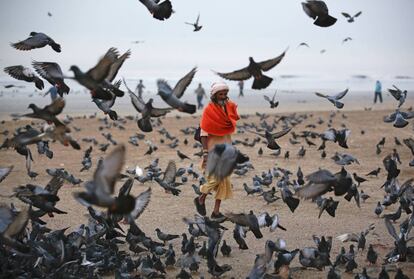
x: 218, y: 122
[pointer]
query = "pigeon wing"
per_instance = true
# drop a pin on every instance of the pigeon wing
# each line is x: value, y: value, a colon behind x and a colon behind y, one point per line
x: 170, y: 171
x: 341, y: 94
x: 321, y: 95
x: 358, y: 14
x: 238, y: 218
x: 18, y: 224
x: 19, y: 72
x: 157, y: 112
x: 55, y: 107
x: 312, y: 190
x: 48, y: 70
x: 102, y: 69
x: 117, y: 65
x: 30, y: 43
x: 281, y: 133
x: 241, y: 74
x: 136, y: 101
x: 346, y: 15
x: 183, y: 83
x: 54, y: 185
x: 269, y: 64
x: 4, y: 172
x: 141, y: 202
x: 390, y: 228
x: 395, y: 93
x: 108, y: 170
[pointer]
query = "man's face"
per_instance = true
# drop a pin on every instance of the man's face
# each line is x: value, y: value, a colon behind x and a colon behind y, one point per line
x: 222, y: 95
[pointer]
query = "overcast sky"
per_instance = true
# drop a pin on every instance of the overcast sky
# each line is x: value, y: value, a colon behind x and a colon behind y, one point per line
x: 233, y: 30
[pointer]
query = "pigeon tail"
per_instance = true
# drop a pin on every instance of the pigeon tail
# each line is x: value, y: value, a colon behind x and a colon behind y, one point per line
x: 262, y: 82
x: 189, y: 108
x: 75, y: 144
x: 325, y: 21
x: 338, y: 104
x: 257, y: 233
x: 292, y: 203
x: 144, y: 124
x: 400, y: 122
x: 273, y: 145
x: 55, y: 46
x: 113, y: 115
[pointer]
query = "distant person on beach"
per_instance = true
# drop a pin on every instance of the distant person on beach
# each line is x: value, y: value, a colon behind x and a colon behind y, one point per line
x: 218, y: 123
x: 241, y: 87
x: 140, y: 88
x: 378, y: 93
x: 201, y: 93
x: 53, y: 93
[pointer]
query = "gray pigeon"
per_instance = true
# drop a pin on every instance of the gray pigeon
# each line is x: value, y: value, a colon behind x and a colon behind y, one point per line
x: 146, y: 109
x: 36, y: 40
x: 222, y: 160
x: 399, y: 95
x: 22, y: 73
x: 334, y: 99
x: 254, y: 69
x: 99, y: 190
x: 96, y: 78
x: 172, y: 96
x: 53, y: 74
x: 350, y: 18
x: 195, y: 24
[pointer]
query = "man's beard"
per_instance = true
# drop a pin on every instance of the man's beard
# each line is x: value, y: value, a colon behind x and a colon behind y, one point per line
x: 222, y: 102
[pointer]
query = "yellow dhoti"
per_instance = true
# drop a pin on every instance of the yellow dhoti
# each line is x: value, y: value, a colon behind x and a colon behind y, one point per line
x: 223, y: 189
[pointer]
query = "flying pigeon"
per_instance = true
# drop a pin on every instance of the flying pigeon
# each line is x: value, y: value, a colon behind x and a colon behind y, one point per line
x: 254, y: 70
x: 22, y: 73
x: 36, y: 40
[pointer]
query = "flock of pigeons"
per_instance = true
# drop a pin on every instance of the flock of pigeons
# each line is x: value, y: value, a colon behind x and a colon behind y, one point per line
x: 97, y: 248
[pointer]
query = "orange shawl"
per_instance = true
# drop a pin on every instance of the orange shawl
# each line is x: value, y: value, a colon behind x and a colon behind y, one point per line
x: 215, y: 121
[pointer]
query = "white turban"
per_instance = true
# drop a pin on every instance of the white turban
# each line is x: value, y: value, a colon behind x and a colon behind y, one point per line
x: 217, y: 87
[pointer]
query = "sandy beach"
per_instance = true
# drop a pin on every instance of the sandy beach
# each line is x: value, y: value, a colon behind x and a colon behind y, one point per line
x: 166, y: 211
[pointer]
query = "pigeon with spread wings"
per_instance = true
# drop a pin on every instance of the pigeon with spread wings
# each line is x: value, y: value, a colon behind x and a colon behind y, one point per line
x: 22, y: 73
x: 168, y: 181
x: 158, y: 10
x: 254, y: 69
x: 334, y: 99
x: 399, y: 95
x: 222, y: 160
x: 272, y: 102
x: 52, y: 72
x: 172, y: 96
x: 49, y: 112
x: 95, y: 78
x: 350, y: 18
x: 106, y: 105
x: 36, y: 40
x: 270, y: 137
x: 146, y: 109
x: 195, y: 24
x: 99, y: 190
